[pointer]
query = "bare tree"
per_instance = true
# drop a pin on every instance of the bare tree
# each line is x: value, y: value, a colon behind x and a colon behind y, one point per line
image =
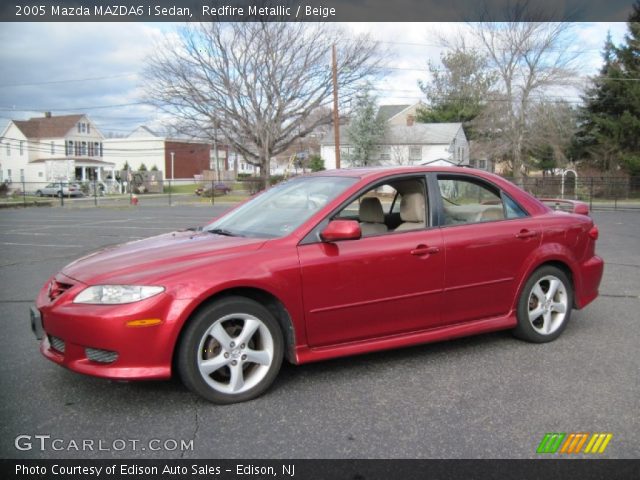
x: 259, y: 85
x: 529, y: 57
x: 552, y: 125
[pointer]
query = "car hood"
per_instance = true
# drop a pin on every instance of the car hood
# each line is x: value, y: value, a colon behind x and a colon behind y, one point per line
x: 156, y: 257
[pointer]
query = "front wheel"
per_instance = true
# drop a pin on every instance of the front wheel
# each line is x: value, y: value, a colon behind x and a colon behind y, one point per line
x: 544, y: 307
x: 231, y: 351
x: 38, y: 193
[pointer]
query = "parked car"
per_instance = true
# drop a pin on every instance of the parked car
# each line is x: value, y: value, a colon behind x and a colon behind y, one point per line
x: 58, y: 189
x: 218, y: 189
x: 326, y: 265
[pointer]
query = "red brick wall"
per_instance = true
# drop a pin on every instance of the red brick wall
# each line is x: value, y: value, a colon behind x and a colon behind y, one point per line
x: 190, y: 159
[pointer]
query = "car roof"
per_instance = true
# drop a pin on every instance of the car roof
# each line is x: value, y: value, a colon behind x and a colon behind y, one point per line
x: 373, y: 172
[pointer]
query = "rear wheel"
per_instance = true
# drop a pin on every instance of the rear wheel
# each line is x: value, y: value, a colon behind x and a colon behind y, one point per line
x: 231, y: 351
x: 544, y: 307
x: 59, y: 194
x: 38, y: 193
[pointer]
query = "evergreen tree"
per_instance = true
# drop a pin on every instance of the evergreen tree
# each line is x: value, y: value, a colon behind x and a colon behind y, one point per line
x: 609, y: 136
x: 365, y: 130
x: 458, y: 89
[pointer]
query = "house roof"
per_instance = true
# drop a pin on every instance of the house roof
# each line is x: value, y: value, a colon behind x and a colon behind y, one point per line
x: 416, y: 134
x: 386, y: 112
x: 142, y: 131
x: 48, y: 127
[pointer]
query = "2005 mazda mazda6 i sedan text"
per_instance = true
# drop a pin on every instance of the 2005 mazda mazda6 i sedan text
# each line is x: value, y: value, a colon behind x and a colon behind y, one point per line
x: 325, y: 265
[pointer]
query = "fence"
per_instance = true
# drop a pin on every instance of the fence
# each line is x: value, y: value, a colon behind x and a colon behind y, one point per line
x: 95, y: 193
x: 600, y: 193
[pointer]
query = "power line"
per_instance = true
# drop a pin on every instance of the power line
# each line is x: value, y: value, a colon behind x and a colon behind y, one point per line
x: 71, y: 80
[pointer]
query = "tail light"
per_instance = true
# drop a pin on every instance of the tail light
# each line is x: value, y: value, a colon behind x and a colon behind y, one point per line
x: 594, y: 233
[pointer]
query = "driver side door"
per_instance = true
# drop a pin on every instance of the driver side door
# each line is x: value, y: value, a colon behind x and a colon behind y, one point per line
x: 379, y: 285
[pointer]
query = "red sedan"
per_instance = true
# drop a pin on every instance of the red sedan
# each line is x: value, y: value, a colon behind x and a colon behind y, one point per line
x: 326, y: 265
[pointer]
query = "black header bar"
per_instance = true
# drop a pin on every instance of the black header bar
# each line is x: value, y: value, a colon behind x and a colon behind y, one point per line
x: 313, y: 10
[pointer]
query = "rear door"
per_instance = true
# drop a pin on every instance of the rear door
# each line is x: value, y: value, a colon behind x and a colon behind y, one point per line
x: 487, y: 239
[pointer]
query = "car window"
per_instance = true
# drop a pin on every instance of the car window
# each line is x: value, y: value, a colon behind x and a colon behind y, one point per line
x: 469, y: 201
x: 512, y: 209
x: 397, y: 205
x: 384, y: 194
x: 281, y: 209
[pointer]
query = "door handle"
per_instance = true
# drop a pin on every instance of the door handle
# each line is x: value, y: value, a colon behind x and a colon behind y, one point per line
x: 421, y: 250
x: 524, y: 234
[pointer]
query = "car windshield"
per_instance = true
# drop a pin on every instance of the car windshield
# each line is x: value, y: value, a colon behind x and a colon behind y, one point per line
x: 282, y: 208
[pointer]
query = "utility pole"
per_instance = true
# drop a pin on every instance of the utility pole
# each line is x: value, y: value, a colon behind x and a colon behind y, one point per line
x: 336, y: 115
x: 215, y: 150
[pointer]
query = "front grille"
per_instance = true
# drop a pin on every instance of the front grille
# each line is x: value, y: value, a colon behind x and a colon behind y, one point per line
x: 56, y: 343
x: 100, y: 356
x: 57, y: 288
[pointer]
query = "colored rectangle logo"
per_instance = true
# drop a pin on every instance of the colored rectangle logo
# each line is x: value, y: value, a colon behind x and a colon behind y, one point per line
x: 572, y: 443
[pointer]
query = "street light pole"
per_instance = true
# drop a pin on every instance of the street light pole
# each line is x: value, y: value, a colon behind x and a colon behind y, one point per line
x: 172, y: 171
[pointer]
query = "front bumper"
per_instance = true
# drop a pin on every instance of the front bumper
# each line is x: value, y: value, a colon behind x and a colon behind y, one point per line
x: 95, y: 339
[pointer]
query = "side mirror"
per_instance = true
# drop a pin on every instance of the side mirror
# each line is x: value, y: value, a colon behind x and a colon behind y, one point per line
x: 341, y: 230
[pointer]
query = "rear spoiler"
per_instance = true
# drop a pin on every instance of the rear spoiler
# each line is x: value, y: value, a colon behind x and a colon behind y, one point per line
x: 563, y: 205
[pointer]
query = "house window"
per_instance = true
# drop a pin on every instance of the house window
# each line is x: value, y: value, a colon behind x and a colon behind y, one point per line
x: 8, y: 150
x: 22, y: 175
x: 385, y: 152
x: 79, y: 128
x: 53, y: 148
x: 69, y: 150
x: 482, y: 164
x: 21, y: 147
x: 100, y: 149
x: 88, y: 128
x: 83, y: 151
x: 40, y: 174
x: 91, y: 149
x: 9, y: 174
x: 415, y: 153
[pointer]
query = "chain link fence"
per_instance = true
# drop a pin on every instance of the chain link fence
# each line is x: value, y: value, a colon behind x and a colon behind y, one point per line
x: 599, y: 192
x: 96, y: 193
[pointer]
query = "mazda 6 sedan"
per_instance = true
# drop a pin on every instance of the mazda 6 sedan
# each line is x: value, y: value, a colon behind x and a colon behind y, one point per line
x: 326, y: 265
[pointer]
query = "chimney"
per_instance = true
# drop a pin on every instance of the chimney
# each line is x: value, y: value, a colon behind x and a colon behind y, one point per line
x: 410, y: 120
x: 47, y: 114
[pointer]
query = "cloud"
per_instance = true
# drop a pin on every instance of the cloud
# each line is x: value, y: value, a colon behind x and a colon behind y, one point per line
x: 111, y: 57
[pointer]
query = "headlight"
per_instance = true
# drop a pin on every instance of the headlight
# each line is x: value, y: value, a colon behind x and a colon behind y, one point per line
x: 116, y: 294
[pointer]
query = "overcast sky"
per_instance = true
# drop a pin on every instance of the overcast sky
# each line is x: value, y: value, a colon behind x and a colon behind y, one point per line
x: 94, y: 68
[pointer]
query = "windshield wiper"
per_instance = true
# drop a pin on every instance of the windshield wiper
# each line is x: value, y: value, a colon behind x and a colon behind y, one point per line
x: 223, y: 231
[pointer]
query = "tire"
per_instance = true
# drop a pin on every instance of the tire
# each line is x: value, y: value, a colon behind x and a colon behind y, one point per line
x: 59, y: 194
x: 544, y: 307
x: 231, y: 351
x: 38, y: 193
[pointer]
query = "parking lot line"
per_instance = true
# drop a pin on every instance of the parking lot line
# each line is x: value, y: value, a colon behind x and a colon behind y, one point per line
x: 40, y: 245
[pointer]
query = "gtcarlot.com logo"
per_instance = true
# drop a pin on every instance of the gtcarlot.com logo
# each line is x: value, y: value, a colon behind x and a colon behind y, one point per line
x: 49, y: 443
x: 574, y: 443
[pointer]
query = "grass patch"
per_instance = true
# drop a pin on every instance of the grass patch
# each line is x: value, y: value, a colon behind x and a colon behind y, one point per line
x: 188, y: 188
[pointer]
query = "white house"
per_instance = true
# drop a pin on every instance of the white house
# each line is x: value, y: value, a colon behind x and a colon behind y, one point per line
x: 52, y: 148
x: 405, y: 142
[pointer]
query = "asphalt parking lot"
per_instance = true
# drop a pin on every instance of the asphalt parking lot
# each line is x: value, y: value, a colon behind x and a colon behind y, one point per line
x: 489, y: 396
